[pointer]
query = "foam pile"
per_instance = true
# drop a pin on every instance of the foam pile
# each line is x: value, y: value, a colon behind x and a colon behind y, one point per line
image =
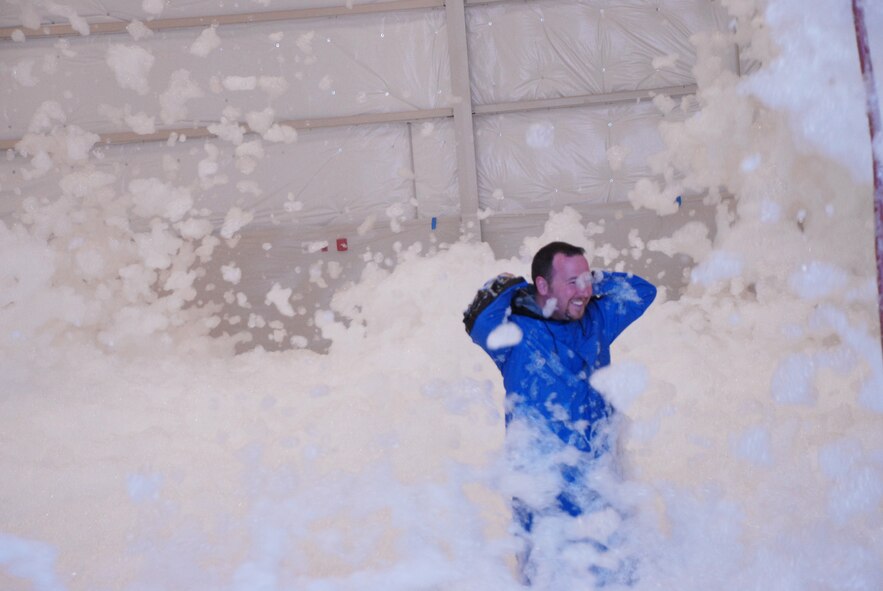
x: 140, y: 453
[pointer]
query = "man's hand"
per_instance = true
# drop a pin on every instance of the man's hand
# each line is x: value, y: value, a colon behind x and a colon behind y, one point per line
x: 486, y: 295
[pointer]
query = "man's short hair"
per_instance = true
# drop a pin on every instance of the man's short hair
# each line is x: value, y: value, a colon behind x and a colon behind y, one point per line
x: 542, y: 260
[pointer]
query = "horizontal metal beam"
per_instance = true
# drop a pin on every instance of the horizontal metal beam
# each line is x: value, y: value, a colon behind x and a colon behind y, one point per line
x: 129, y: 137
x: 60, y: 30
x: 583, y: 100
x: 400, y: 117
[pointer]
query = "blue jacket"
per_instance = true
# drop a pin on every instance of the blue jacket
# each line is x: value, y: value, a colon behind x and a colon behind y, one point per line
x: 547, y: 373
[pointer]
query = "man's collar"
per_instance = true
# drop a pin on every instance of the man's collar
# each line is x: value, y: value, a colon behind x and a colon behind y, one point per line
x: 525, y: 303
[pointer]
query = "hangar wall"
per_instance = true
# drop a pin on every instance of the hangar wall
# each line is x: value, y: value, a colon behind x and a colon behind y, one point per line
x: 323, y: 121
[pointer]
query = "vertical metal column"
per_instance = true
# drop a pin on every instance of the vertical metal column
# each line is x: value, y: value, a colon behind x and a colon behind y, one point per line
x: 463, y: 131
x: 876, y: 131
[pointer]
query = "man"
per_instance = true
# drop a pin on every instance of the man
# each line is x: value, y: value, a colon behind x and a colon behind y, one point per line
x: 547, y: 339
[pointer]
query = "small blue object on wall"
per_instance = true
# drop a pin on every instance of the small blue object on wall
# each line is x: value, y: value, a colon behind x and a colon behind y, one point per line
x: 434, y: 223
x: 679, y: 201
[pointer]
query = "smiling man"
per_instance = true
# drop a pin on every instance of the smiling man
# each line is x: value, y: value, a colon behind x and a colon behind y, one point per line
x: 547, y: 338
x: 564, y: 289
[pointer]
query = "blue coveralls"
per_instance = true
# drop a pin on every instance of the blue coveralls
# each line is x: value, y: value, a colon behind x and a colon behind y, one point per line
x: 546, y: 374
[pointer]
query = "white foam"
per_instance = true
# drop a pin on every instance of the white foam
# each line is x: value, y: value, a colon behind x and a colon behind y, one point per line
x: 174, y: 99
x: 153, y: 7
x: 506, y: 334
x: 207, y: 42
x: 378, y: 464
x: 820, y: 45
x: 235, y: 220
x: 279, y: 297
x: 621, y: 383
x: 131, y: 65
x: 31, y: 561
x: 817, y: 280
x: 719, y: 266
x: 793, y: 380
x: 231, y: 273
x: 152, y: 197
x: 138, y: 30
x: 753, y: 444
x: 23, y: 73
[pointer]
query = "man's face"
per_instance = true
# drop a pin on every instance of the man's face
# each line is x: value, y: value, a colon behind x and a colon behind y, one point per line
x: 570, y: 287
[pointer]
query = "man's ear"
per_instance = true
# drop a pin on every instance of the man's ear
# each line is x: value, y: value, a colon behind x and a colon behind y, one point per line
x: 542, y: 286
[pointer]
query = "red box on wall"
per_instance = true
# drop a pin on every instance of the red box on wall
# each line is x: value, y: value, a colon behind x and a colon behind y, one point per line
x: 342, y: 245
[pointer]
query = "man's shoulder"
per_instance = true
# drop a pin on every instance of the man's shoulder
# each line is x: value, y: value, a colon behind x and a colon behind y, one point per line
x: 490, y: 295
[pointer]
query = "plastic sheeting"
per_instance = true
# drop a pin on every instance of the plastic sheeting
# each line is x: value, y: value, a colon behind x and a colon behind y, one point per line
x: 299, y: 69
x: 305, y: 184
x: 373, y: 63
x: 379, y: 187
x: 619, y: 235
x: 311, y: 227
x: 15, y: 12
x: 560, y: 48
x: 276, y: 255
x: 542, y: 161
x: 435, y: 168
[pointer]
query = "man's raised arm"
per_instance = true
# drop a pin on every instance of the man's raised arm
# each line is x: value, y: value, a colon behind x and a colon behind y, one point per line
x: 488, y: 310
x: 621, y: 298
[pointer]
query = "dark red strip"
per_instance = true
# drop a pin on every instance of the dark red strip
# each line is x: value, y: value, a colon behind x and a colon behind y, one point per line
x: 864, y: 56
